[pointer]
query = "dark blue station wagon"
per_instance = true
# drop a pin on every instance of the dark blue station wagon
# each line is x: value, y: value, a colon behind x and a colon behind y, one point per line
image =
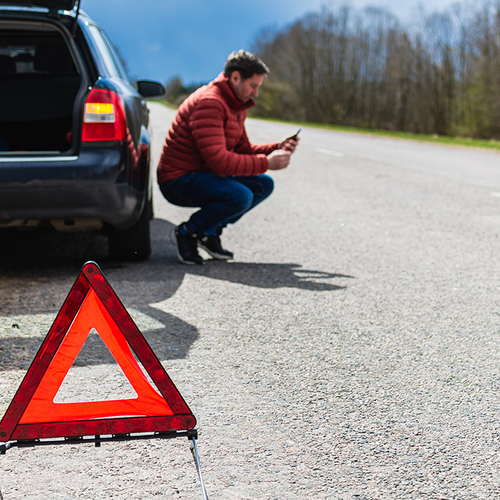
x: 74, y: 141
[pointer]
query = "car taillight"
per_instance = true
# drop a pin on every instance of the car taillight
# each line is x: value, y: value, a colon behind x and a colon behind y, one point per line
x: 104, y: 117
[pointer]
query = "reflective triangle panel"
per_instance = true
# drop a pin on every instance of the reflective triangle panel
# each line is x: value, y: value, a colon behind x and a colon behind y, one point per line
x: 93, y: 305
x: 91, y: 315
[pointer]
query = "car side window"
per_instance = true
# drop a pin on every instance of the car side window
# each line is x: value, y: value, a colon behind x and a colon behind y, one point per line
x: 106, y: 53
x: 116, y: 57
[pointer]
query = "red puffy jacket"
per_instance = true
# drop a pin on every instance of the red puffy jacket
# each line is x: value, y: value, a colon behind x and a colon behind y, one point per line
x: 208, y: 135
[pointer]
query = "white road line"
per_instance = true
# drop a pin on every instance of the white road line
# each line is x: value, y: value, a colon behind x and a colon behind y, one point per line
x: 328, y: 152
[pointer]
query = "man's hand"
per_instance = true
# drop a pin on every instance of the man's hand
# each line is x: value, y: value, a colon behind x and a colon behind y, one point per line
x: 278, y: 160
x: 289, y: 144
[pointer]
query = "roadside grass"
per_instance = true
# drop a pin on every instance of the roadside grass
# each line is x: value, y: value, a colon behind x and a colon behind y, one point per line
x: 164, y: 103
x: 434, y: 138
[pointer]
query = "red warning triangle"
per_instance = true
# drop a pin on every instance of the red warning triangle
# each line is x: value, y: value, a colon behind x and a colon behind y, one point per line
x: 93, y: 305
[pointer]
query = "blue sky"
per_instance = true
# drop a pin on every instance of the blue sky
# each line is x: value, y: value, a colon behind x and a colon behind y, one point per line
x: 192, y: 38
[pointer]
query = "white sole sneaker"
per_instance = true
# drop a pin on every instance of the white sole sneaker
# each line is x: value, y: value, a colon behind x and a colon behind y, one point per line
x: 180, y: 258
x: 214, y: 255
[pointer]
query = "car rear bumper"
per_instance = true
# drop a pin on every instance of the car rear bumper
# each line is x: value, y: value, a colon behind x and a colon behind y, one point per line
x: 96, y: 184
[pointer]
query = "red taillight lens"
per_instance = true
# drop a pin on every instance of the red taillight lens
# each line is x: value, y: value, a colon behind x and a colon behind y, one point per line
x: 104, y: 117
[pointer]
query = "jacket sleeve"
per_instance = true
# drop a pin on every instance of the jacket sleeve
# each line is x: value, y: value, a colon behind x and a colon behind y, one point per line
x: 244, y: 146
x: 207, y: 127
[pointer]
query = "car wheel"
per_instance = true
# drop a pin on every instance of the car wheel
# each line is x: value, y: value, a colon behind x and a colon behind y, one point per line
x: 134, y: 243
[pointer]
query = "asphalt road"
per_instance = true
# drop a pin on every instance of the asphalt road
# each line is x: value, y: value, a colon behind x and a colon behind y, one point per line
x: 350, y: 351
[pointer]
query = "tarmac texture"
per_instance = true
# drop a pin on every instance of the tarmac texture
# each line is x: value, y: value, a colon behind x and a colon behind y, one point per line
x: 351, y: 351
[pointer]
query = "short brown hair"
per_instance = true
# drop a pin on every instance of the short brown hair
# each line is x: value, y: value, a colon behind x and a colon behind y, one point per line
x: 246, y: 64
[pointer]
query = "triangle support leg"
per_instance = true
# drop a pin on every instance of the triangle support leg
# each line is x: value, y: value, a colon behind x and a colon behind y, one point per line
x: 196, y: 456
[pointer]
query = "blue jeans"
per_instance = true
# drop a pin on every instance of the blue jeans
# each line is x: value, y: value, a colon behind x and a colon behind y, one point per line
x: 223, y: 200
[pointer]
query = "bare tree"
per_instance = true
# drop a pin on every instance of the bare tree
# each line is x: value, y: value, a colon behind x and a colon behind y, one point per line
x: 363, y: 68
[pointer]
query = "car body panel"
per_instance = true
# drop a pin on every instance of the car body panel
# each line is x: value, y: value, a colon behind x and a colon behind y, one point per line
x: 66, y: 187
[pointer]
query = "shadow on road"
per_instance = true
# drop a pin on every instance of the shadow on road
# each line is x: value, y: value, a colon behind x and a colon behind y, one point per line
x: 37, y: 270
x: 268, y: 275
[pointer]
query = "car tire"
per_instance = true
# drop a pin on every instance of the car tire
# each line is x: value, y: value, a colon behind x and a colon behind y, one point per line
x: 133, y: 243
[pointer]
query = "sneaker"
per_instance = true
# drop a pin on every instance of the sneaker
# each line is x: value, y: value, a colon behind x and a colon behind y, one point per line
x: 187, y: 248
x: 211, y: 245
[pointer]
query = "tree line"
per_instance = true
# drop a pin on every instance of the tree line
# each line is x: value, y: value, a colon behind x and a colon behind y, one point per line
x: 439, y: 75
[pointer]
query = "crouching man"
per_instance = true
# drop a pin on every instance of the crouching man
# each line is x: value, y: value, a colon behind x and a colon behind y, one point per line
x: 208, y: 161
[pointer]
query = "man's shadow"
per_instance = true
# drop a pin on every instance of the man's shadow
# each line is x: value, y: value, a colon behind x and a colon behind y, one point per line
x: 38, y: 268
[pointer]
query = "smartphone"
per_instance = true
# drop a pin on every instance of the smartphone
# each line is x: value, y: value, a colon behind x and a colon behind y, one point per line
x: 294, y: 136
